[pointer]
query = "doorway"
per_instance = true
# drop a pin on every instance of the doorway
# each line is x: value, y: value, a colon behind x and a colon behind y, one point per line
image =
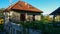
x: 23, y: 17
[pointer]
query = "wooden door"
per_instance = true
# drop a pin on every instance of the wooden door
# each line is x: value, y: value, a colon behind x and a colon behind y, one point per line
x: 23, y: 17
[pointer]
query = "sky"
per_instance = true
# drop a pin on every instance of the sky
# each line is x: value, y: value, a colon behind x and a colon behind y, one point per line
x: 47, y: 6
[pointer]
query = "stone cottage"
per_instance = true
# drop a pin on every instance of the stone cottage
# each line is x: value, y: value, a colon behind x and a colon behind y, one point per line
x: 20, y: 11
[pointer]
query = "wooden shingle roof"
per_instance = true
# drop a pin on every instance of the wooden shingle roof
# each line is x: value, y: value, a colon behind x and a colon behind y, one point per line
x: 56, y: 12
x: 20, y: 5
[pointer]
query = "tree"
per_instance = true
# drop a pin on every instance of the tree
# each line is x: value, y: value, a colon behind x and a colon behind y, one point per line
x: 1, y: 12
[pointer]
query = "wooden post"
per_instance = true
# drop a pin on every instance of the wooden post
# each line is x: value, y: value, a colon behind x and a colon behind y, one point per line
x: 33, y: 17
x: 59, y: 18
x: 53, y: 18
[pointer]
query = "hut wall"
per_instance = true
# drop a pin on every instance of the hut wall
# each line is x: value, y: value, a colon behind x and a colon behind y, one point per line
x: 57, y: 18
x: 16, y: 16
x: 30, y: 17
x: 37, y: 17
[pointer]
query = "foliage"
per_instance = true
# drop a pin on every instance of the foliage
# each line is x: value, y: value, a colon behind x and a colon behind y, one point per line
x: 47, y: 27
x: 1, y: 27
x: 1, y: 12
x: 1, y: 20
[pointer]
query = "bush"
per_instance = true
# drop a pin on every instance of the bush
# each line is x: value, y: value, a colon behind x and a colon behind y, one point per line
x: 1, y: 27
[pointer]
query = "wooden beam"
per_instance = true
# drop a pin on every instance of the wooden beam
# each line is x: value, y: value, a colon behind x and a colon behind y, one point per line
x: 54, y: 18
